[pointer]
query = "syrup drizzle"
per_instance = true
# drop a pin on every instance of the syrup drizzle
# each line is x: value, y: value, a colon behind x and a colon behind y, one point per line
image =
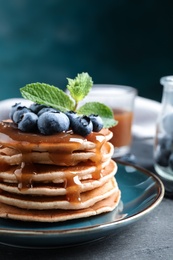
x: 24, y: 142
x: 24, y: 175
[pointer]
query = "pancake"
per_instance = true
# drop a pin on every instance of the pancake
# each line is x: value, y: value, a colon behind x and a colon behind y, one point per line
x: 58, y: 158
x: 11, y: 137
x: 103, y: 206
x: 71, y: 201
x: 45, y: 185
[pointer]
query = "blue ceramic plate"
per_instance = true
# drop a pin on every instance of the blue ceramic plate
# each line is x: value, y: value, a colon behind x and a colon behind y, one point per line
x: 141, y: 193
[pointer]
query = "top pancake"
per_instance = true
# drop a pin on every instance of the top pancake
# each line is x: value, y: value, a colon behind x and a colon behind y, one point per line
x: 60, y: 149
x: 10, y: 136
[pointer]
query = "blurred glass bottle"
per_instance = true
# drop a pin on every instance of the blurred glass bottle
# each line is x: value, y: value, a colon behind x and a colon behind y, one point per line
x: 163, y: 145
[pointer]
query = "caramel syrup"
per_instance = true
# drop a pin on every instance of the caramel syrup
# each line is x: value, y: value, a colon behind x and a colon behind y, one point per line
x: 24, y: 174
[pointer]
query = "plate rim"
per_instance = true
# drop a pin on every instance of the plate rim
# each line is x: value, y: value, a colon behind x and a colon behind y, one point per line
x: 136, y: 216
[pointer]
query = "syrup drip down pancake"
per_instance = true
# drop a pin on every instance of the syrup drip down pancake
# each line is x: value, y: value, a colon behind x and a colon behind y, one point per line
x: 57, y: 177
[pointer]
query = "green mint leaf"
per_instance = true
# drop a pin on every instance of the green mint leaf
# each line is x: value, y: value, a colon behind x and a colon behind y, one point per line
x: 99, y: 109
x: 48, y: 95
x: 80, y: 86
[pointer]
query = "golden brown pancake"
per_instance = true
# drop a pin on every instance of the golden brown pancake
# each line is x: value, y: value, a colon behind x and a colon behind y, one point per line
x: 103, y: 206
x: 79, y: 201
x: 53, y: 183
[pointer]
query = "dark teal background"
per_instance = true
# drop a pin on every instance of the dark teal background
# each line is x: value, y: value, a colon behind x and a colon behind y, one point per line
x: 115, y: 41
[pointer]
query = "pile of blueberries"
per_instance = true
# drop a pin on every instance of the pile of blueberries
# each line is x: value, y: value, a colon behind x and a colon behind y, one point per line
x: 48, y: 121
x: 164, y: 151
x: 164, y: 155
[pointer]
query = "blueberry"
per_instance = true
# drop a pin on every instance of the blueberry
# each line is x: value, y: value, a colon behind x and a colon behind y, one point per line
x: 13, y: 109
x: 35, y: 108
x: 82, y: 125
x: 171, y: 161
x: 72, y: 117
x: 28, y: 123
x: 166, y: 143
x: 18, y: 114
x: 168, y: 123
x: 162, y: 157
x: 97, y: 122
x: 47, y: 109
x: 51, y: 123
x: 164, y: 150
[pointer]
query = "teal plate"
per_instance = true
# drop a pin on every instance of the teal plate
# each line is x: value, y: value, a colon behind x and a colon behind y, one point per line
x: 141, y: 192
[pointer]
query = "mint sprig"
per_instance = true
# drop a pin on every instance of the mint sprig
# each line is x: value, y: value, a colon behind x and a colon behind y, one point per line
x: 79, y: 88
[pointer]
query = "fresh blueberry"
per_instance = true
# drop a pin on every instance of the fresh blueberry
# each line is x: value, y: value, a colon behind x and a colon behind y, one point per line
x: 13, y: 110
x: 82, y: 125
x: 166, y: 143
x: 71, y: 114
x: 165, y: 148
x: 72, y: 117
x: 168, y: 123
x: 18, y: 114
x: 28, y: 123
x: 47, y: 109
x: 162, y: 157
x: 35, y: 108
x: 51, y: 123
x: 171, y: 161
x: 97, y: 122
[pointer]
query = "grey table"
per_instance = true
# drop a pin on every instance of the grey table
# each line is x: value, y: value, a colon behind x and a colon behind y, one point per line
x: 149, y: 238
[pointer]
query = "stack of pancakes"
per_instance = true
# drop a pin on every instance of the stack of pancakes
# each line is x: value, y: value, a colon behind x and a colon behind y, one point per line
x: 56, y: 178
